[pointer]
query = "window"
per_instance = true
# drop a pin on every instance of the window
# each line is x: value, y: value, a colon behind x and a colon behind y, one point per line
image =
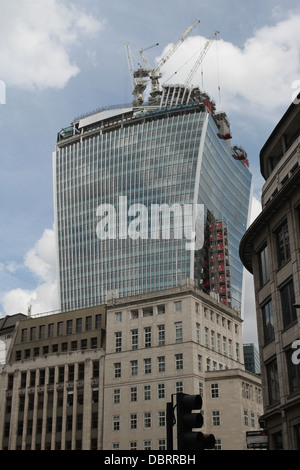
x: 147, y: 311
x: 88, y: 323
x: 60, y: 325
x: 177, y: 306
x: 206, y: 337
x: 283, y: 241
x: 134, y: 314
x: 42, y: 332
x: 273, y: 383
x: 268, y: 322
x: 78, y: 325
x: 161, y: 390
x: 147, y: 336
x: 147, y: 419
x: 289, y: 313
x: 147, y: 392
x: 134, y: 339
x: 264, y: 265
x: 69, y: 327
x: 161, y: 309
x: 199, y: 362
x: 246, y: 420
x: 178, y: 332
x: 214, y: 389
x: 161, y: 335
x: 118, y: 341
x: 133, y: 421
x: 134, y: 367
x: 81, y: 371
x: 198, y: 333
x: 118, y: 317
x: 133, y: 394
x: 161, y: 418
x: 147, y: 366
x: 178, y: 361
x: 116, y: 423
x: 216, y: 418
x: 98, y: 321
x: 24, y: 335
x: 32, y: 333
x: 161, y: 363
x: 116, y: 396
x: 117, y: 369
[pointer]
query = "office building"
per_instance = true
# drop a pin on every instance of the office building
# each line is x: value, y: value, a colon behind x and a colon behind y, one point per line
x: 51, y: 387
x: 251, y: 358
x: 270, y: 249
x: 72, y: 381
x: 115, y: 167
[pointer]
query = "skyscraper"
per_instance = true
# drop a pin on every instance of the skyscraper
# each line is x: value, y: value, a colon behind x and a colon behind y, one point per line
x: 114, y: 167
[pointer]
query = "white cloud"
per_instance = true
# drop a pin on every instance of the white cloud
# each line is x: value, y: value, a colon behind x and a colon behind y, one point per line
x: 41, y: 262
x: 35, y: 40
x: 256, y: 79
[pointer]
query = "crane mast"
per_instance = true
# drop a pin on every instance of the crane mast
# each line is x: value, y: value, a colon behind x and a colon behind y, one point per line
x: 200, y: 58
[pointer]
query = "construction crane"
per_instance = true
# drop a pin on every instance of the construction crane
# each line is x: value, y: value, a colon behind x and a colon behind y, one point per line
x: 200, y: 58
x: 155, y: 74
x: 130, y: 64
x: 137, y: 79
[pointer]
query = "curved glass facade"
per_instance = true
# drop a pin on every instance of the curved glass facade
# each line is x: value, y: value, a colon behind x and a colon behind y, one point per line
x: 171, y: 157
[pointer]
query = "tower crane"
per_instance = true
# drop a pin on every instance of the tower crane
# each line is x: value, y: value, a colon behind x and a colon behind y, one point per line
x: 155, y: 74
x: 137, y: 79
x: 200, y: 58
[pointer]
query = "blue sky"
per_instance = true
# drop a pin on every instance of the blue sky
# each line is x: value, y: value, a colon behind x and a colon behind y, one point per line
x: 60, y: 59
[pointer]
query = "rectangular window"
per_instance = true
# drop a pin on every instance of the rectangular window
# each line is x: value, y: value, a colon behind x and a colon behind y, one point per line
x: 147, y: 420
x: 161, y: 364
x: 88, y: 323
x: 177, y: 306
x: 268, y: 322
x: 69, y: 327
x: 116, y: 396
x: 134, y: 339
x: 147, y: 392
x: 134, y: 367
x: 147, y: 366
x: 118, y: 341
x: 133, y: 394
x: 178, y: 361
x: 161, y: 390
x: 289, y: 313
x: 214, y: 389
x: 283, y: 242
x: 133, y: 421
x: 161, y: 335
x: 273, y: 382
x: 178, y: 332
x: 78, y: 325
x: 216, y: 418
x: 264, y: 265
x: 117, y: 369
x: 147, y: 336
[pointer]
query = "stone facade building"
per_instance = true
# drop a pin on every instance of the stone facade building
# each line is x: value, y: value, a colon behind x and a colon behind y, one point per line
x: 270, y: 249
x: 100, y: 378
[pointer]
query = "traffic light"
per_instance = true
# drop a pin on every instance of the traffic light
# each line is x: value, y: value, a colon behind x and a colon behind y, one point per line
x: 187, y: 439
